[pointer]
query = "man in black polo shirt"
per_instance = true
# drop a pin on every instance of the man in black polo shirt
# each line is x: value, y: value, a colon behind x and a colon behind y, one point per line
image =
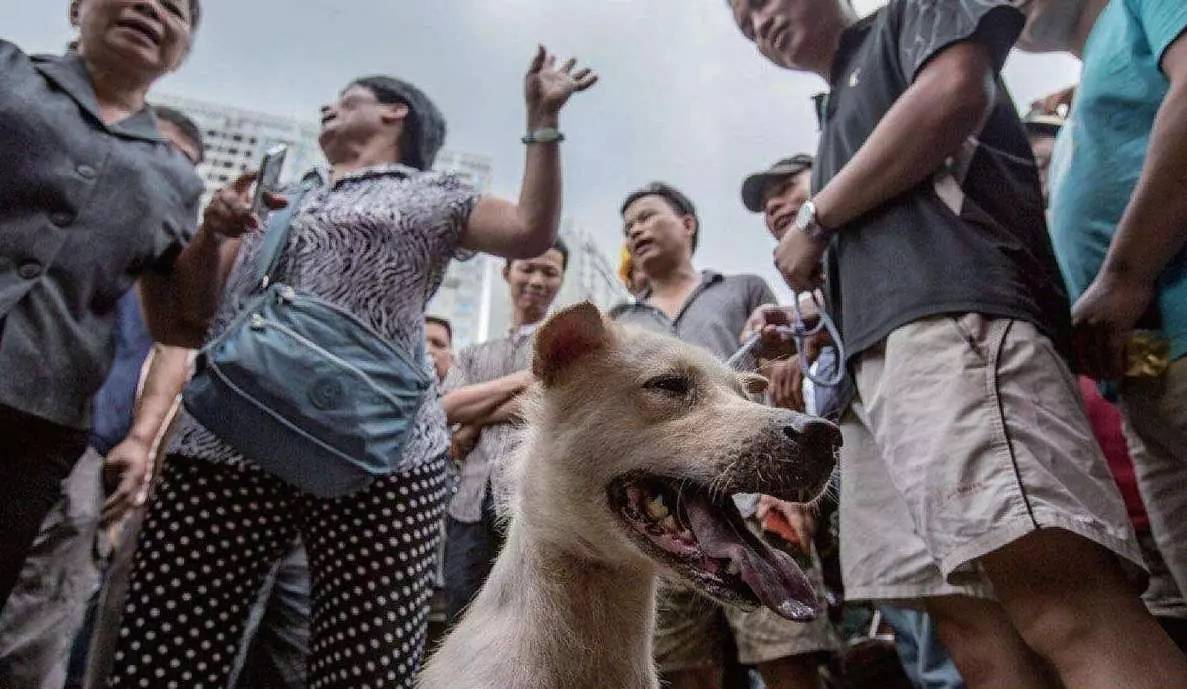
x: 969, y: 469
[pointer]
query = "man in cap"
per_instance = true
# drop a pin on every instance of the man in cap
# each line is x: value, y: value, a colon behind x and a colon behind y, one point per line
x: 1041, y: 130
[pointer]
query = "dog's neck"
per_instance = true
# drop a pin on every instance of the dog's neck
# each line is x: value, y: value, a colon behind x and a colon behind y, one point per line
x: 550, y: 617
x: 597, y: 620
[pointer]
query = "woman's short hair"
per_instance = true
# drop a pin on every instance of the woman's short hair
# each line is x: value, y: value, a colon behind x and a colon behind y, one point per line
x: 424, y: 128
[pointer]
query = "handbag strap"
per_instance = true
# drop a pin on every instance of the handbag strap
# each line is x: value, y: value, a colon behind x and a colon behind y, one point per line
x: 280, y: 224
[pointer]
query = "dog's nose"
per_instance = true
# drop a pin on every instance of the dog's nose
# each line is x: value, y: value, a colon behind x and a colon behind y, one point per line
x: 813, y: 431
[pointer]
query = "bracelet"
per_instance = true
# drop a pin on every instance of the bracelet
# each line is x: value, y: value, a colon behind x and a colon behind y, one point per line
x: 547, y: 135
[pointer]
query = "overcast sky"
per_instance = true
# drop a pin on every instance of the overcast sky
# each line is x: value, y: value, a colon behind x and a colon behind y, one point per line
x: 683, y: 97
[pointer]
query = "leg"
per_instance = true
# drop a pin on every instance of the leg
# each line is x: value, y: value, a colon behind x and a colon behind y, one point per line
x: 925, y: 659
x: 371, y: 556
x: 38, y: 457
x: 109, y: 606
x: 984, y: 645
x: 470, y: 553
x: 907, y: 640
x: 1156, y: 430
x: 276, y: 643
x: 61, y: 573
x: 793, y: 672
x: 981, y: 425
x: 688, y: 639
x: 1070, y: 601
x: 787, y: 654
x: 211, y: 535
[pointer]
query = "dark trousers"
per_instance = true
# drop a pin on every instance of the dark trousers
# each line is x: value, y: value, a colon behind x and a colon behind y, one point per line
x: 212, y: 534
x: 470, y: 552
x: 37, y: 457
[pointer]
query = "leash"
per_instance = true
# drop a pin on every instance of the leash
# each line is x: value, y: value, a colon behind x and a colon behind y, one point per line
x: 799, y: 333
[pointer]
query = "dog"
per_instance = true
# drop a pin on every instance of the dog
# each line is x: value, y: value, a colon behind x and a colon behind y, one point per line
x: 633, y: 446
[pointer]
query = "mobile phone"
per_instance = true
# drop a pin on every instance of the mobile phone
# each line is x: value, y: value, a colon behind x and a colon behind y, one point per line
x: 268, y: 179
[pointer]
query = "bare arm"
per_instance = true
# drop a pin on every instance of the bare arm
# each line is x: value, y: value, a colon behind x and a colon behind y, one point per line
x: 472, y: 404
x: 166, y: 378
x: 1152, y: 231
x: 510, y: 411
x: 949, y: 101
x: 127, y: 469
x: 178, y: 306
x: 528, y: 229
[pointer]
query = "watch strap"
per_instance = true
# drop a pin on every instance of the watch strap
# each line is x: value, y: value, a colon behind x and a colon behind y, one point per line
x: 547, y: 135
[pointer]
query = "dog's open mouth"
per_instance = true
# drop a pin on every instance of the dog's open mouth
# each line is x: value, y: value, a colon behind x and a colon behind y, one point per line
x: 702, y: 536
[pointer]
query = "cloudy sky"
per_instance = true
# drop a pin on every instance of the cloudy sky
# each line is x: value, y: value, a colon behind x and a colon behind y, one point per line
x: 683, y: 97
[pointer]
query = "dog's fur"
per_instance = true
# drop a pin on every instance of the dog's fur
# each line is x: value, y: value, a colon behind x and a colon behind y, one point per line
x: 570, y: 600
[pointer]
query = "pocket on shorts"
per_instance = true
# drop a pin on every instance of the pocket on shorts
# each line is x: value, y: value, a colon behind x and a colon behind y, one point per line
x: 973, y: 330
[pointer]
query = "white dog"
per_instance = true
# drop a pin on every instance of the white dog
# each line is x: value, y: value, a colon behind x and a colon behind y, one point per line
x: 635, y: 444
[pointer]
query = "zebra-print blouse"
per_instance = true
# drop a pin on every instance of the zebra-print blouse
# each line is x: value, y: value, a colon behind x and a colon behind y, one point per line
x: 376, y: 243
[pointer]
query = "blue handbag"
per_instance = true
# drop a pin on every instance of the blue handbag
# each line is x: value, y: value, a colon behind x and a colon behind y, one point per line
x: 303, y: 388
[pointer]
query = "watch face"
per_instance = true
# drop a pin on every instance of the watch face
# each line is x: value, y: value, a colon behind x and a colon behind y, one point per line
x: 806, y: 217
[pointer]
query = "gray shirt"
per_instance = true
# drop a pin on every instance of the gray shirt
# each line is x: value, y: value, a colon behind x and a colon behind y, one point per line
x: 376, y: 243
x: 713, y: 316
x: 85, y: 208
x: 481, y: 363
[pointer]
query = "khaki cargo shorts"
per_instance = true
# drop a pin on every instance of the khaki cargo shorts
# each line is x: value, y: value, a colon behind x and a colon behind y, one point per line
x: 967, y: 434
x: 691, y: 630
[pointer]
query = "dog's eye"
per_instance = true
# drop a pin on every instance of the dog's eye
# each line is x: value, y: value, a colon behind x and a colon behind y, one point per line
x: 670, y: 384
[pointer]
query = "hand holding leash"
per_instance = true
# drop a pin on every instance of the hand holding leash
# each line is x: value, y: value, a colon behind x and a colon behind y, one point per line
x: 799, y: 333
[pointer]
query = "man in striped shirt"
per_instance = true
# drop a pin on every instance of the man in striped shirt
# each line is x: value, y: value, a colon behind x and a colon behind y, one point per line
x: 481, y: 402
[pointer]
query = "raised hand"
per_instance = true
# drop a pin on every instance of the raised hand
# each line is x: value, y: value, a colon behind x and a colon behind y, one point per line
x: 548, y: 87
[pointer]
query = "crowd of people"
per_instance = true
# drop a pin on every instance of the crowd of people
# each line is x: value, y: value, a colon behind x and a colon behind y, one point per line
x: 1010, y: 296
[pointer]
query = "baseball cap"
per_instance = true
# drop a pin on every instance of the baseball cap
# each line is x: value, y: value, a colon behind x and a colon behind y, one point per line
x: 756, y: 184
x: 1043, y: 124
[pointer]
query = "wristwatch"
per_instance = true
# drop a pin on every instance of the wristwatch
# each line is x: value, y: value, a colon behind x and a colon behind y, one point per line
x: 547, y: 135
x: 806, y: 222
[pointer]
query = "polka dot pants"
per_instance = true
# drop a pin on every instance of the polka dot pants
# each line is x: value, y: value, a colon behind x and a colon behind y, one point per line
x: 213, y: 532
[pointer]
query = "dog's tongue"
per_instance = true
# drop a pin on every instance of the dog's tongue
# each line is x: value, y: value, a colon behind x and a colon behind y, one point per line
x: 772, y: 575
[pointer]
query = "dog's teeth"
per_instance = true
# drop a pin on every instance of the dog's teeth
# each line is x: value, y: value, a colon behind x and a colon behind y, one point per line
x: 669, y: 523
x: 686, y: 535
x: 734, y: 568
x: 656, y: 508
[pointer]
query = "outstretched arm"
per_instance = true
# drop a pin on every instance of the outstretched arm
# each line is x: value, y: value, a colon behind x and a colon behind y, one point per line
x: 529, y: 228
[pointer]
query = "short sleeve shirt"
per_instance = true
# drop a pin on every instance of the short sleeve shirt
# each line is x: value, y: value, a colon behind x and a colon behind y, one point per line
x: 475, y: 364
x: 375, y: 243
x: 85, y: 209
x: 1101, y: 152
x: 970, y: 238
x: 713, y: 317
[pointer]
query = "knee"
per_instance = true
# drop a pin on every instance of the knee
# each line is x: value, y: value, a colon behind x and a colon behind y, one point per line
x: 971, y: 642
x: 1059, y: 589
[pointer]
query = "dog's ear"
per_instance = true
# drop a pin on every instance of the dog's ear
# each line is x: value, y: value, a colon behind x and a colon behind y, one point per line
x: 568, y: 337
